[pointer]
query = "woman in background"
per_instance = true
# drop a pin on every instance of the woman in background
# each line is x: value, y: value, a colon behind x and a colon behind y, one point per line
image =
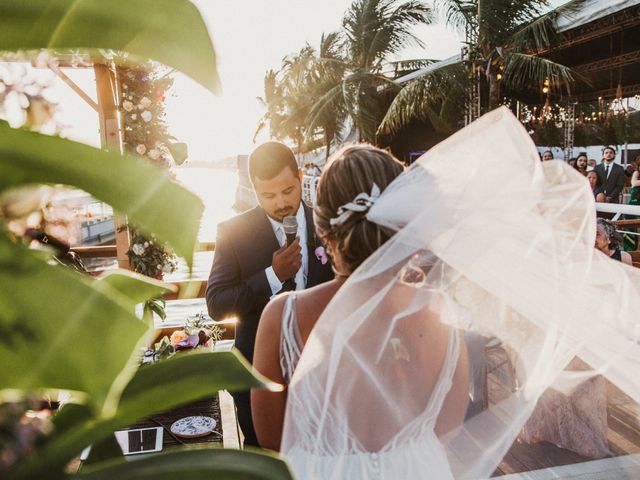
x: 609, y: 241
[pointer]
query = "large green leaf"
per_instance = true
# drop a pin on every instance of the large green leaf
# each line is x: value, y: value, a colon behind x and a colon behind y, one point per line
x: 193, y: 464
x: 59, y: 332
x: 171, y: 32
x: 186, y: 377
x: 138, y: 288
x: 147, y: 194
x: 154, y: 389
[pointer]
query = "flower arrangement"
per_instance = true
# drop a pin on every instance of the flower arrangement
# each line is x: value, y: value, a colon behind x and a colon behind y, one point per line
x: 143, y: 92
x: 196, y: 332
x: 150, y: 257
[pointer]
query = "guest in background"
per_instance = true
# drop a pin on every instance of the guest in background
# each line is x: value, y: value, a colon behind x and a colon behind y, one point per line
x: 581, y: 163
x: 609, y: 241
x: 591, y: 164
x: 596, y: 185
x: 547, y: 155
x: 635, y: 182
x: 613, y: 179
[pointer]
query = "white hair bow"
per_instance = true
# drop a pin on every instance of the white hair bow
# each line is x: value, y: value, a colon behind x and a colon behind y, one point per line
x: 362, y: 203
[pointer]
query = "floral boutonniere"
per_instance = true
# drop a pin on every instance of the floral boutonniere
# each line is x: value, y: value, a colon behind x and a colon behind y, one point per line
x: 319, y: 251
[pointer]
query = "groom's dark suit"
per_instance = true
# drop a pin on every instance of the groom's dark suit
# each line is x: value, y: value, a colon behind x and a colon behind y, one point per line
x: 238, y: 284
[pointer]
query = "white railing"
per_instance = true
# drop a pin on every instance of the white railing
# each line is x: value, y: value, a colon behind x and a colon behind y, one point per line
x: 309, y: 188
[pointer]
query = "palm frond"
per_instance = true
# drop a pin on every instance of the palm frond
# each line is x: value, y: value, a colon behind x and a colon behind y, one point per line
x: 523, y: 71
x: 327, y: 107
x: 437, y: 94
x: 457, y: 13
x: 542, y: 34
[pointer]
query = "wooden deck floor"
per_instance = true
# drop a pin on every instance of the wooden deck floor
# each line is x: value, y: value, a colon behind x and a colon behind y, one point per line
x: 623, y: 418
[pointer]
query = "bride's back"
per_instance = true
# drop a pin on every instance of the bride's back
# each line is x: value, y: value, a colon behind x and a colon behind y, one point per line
x: 413, y: 366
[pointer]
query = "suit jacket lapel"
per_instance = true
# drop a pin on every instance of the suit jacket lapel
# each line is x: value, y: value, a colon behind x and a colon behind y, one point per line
x: 312, y: 262
x: 265, y: 235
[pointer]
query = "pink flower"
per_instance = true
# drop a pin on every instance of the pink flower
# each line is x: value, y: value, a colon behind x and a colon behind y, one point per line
x: 321, y: 255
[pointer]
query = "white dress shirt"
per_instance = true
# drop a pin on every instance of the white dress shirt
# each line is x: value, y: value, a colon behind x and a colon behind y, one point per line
x: 278, y: 230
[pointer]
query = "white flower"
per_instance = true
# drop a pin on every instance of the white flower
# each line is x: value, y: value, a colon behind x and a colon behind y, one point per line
x: 146, y: 244
x: 134, y: 116
x: 146, y: 116
x: 145, y: 102
x: 166, y: 268
x: 141, y: 149
x: 22, y: 201
x: 137, y: 249
x: 154, y: 154
x: 127, y: 105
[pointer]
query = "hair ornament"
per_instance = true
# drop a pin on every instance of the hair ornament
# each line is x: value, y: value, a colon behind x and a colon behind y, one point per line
x: 362, y: 203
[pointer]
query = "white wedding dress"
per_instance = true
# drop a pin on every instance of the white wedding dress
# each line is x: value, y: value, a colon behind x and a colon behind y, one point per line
x: 491, y: 241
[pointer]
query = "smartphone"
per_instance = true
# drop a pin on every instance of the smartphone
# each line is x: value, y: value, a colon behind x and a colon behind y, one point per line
x: 140, y: 440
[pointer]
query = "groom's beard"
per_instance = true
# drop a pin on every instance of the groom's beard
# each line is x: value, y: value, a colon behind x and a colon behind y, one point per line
x: 284, y: 212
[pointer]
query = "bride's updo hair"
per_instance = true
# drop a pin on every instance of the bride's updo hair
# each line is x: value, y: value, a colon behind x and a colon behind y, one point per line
x: 351, y: 171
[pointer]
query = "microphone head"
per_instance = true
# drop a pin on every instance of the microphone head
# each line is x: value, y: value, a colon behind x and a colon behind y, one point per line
x: 290, y: 225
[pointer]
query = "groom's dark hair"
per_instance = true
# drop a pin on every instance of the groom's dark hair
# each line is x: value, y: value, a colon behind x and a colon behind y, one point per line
x: 269, y: 159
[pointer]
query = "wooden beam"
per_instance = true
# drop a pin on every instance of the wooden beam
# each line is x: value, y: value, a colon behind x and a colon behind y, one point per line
x: 74, y: 86
x: 111, y: 139
x: 100, y: 251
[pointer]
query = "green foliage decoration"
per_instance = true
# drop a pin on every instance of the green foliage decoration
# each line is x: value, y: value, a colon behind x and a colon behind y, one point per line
x: 66, y: 335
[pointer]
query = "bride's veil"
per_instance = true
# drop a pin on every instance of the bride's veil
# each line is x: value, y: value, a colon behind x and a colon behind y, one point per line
x: 489, y: 288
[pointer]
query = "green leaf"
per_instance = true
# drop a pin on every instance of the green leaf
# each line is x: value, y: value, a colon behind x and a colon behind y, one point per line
x: 147, y: 194
x: 59, y: 332
x: 193, y: 464
x: 156, y: 388
x: 188, y: 376
x: 171, y: 32
x: 179, y: 152
x: 138, y: 288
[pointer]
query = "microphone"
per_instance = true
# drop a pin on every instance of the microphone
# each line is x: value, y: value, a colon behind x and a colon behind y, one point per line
x: 290, y: 225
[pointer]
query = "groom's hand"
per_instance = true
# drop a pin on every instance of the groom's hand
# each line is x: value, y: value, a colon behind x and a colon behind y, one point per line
x: 287, y: 261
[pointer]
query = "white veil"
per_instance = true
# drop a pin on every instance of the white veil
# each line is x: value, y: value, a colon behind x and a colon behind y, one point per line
x: 491, y: 244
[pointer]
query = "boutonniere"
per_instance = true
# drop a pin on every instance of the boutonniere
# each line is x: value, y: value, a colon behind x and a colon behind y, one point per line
x: 321, y: 255
x: 319, y: 251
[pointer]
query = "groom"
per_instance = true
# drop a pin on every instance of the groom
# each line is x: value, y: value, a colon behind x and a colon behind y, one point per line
x: 253, y: 262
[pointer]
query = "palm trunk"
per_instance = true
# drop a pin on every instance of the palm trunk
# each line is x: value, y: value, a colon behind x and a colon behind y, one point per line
x: 494, y: 92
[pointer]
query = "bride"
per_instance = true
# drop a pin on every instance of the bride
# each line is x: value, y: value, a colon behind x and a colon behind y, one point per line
x: 380, y: 390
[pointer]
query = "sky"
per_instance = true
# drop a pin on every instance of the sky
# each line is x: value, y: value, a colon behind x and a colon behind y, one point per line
x: 248, y: 44
x: 250, y: 37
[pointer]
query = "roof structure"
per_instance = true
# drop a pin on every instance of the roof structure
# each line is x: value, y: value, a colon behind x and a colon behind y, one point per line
x: 601, y: 44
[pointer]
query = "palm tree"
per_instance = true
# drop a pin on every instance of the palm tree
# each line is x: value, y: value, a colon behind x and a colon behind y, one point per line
x: 273, y: 102
x: 328, y: 69
x: 373, y: 31
x: 505, y: 57
x: 287, y: 97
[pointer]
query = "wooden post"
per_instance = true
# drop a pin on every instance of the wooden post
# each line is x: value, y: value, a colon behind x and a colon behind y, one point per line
x: 111, y: 136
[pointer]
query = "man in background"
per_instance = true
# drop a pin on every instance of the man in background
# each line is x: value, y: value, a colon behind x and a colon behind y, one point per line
x: 612, y: 175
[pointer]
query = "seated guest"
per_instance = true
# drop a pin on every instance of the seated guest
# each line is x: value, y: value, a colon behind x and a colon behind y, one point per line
x: 286, y: 323
x: 596, y: 185
x: 609, y: 241
x: 547, y: 155
x: 581, y: 163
